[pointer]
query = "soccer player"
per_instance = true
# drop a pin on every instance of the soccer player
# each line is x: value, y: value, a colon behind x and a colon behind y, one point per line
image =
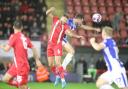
x: 54, y: 49
x: 20, y: 68
x: 116, y: 72
x: 74, y: 24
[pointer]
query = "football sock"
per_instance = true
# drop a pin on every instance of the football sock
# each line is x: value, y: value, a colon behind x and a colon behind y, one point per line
x: 67, y: 60
x: 61, y: 72
x: 13, y: 83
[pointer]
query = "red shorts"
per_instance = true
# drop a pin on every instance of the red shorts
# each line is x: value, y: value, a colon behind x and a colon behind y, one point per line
x: 54, y: 49
x: 22, y: 72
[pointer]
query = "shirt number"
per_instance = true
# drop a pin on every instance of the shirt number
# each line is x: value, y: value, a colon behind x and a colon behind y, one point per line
x: 24, y: 41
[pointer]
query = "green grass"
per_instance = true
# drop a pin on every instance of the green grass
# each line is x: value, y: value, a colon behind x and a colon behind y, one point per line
x: 35, y: 85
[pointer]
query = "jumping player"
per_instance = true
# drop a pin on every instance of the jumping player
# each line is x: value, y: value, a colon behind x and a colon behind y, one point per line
x: 116, y: 72
x: 74, y: 24
x: 20, y: 68
x: 54, y: 49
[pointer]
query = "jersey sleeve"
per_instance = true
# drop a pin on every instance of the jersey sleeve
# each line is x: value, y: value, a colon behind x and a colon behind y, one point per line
x: 12, y: 41
x: 30, y: 45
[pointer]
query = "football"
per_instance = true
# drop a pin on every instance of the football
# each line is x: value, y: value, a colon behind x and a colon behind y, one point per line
x: 96, y: 17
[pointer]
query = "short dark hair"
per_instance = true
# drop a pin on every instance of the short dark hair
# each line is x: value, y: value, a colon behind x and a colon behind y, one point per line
x: 79, y: 16
x: 18, y: 24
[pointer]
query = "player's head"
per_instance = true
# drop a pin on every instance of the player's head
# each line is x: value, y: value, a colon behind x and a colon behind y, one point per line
x: 64, y: 18
x: 78, y: 19
x: 17, y: 25
x: 107, y: 32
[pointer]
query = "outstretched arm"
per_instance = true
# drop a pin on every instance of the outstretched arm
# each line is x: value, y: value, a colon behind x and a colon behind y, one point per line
x: 36, y: 57
x: 5, y: 47
x: 95, y: 45
x: 50, y: 11
x: 89, y: 28
x: 71, y: 34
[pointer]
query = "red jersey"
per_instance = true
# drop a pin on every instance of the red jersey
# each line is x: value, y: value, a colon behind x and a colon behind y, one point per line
x: 58, y: 31
x: 20, y: 44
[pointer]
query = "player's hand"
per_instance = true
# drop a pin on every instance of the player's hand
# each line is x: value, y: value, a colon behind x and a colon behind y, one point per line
x: 98, y: 29
x: 92, y: 40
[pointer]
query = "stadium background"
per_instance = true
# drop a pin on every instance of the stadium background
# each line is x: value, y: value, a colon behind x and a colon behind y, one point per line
x: 37, y: 25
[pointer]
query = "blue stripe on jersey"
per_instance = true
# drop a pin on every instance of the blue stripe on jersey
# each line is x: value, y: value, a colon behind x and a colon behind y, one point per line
x: 111, y: 44
x: 124, y: 79
x: 107, y: 61
x: 71, y: 24
x: 110, y: 52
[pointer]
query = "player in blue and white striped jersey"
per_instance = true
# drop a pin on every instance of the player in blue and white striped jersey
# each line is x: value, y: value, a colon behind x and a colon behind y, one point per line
x: 116, y: 72
x: 74, y: 24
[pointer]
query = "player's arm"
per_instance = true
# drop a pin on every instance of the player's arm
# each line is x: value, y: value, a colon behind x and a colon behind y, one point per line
x: 36, y: 57
x: 50, y: 12
x: 95, y: 45
x: 89, y: 28
x: 71, y: 34
x: 5, y: 47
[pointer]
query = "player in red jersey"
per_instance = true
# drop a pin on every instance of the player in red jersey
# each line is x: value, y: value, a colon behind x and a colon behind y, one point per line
x: 20, y: 69
x: 54, y: 49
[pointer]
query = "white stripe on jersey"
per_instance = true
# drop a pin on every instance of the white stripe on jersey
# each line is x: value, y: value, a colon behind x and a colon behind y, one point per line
x: 54, y: 28
x: 60, y: 34
x: 15, y: 62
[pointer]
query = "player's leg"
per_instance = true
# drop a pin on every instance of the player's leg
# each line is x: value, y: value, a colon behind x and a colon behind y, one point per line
x: 104, y: 81
x: 60, y: 71
x: 9, y: 76
x: 50, y: 57
x: 69, y: 55
x: 121, y: 79
x: 58, y: 55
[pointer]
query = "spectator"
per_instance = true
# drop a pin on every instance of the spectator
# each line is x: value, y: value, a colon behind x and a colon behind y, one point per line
x: 116, y: 20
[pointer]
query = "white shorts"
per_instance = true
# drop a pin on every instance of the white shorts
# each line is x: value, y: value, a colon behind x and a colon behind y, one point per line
x: 119, y: 78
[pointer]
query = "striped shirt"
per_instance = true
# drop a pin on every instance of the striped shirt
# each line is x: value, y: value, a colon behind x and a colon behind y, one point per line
x: 110, y: 53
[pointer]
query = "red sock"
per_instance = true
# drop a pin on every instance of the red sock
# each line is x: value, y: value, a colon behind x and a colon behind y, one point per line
x: 53, y: 69
x: 61, y: 72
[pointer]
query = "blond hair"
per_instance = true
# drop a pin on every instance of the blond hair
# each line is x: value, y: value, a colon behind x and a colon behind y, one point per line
x: 108, y: 31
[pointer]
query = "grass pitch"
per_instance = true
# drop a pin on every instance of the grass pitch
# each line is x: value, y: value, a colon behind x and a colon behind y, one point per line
x: 47, y: 85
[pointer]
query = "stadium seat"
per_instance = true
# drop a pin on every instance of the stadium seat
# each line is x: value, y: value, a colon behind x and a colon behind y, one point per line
x: 117, y: 2
x: 93, y: 2
x: 78, y: 9
x: 75, y: 42
x: 110, y: 10
x: 109, y: 2
x: 119, y: 9
x: 87, y: 17
x: 85, y: 2
x: 102, y: 10
x: 70, y: 9
x: 77, y: 2
x: 86, y: 10
x: 101, y: 2
x: 126, y: 9
x: 69, y: 2
x: 94, y: 9
x: 124, y: 34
